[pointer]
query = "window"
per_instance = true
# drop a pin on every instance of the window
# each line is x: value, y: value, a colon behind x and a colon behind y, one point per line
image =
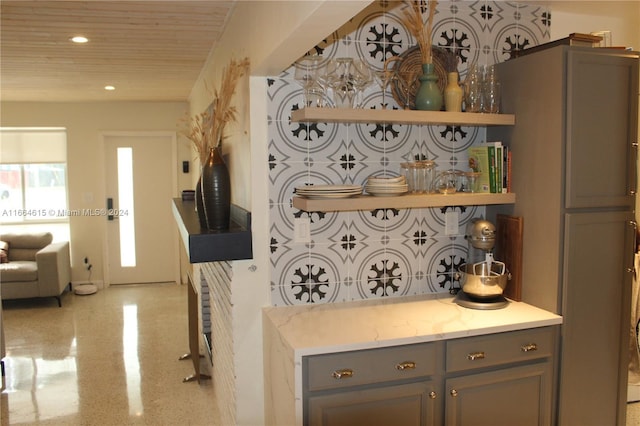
x: 33, y: 178
x: 33, y: 192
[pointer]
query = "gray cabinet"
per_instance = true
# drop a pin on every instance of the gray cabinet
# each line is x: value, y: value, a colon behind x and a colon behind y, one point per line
x: 504, y: 378
x: 410, y: 404
x: 506, y: 397
x: 394, y: 385
x: 574, y: 159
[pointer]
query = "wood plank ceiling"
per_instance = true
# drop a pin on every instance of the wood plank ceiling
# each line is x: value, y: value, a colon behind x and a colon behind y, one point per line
x: 148, y: 50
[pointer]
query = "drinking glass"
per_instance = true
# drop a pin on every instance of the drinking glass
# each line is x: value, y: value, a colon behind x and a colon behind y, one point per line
x: 342, y: 83
x: 362, y: 78
x: 326, y: 76
x: 406, y: 80
x: 472, y: 179
x: 473, y: 90
x: 491, y: 92
x: 306, y: 73
x: 383, y: 78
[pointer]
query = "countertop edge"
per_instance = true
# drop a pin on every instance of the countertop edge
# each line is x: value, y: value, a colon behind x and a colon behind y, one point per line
x: 298, y: 353
x: 296, y: 325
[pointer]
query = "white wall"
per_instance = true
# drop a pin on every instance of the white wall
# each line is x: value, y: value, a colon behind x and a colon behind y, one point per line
x: 85, y: 122
x: 622, y: 18
x: 255, y: 31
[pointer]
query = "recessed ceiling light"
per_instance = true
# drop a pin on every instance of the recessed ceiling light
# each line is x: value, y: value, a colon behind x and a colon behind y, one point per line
x: 109, y: 87
x: 79, y: 39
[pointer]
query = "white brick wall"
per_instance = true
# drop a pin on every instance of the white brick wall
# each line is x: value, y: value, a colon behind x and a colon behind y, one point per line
x: 216, y: 300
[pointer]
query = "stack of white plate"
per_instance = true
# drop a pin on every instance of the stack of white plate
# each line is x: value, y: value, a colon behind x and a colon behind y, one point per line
x: 384, y: 186
x: 328, y: 191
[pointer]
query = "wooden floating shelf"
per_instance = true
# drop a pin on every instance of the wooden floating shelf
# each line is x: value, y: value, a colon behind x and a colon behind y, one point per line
x: 407, y: 201
x: 346, y: 115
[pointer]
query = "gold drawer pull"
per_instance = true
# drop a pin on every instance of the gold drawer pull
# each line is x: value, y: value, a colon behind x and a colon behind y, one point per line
x: 345, y: 373
x: 454, y: 393
x: 529, y: 347
x: 433, y: 395
x: 406, y: 365
x: 475, y: 355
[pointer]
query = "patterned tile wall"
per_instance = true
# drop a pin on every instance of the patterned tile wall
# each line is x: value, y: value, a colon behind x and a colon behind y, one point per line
x: 386, y: 252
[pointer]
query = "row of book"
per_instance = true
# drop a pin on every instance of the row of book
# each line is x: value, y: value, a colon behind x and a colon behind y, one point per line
x: 493, y: 161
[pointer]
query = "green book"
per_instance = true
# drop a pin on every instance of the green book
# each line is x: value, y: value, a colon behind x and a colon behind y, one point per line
x: 498, y: 172
x: 479, y: 162
x: 492, y: 168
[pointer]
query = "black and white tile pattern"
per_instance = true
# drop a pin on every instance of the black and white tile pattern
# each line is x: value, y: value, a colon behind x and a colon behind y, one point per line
x: 386, y: 252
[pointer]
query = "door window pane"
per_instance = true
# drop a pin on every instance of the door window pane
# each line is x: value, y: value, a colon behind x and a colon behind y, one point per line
x: 125, y: 204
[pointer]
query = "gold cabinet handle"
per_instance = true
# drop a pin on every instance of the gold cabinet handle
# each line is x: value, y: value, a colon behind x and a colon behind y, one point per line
x: 475, y: 355
x: 344, y: 373
x: 454, y: 393
x: 530, y: 347
x: 406, y: 365
x: 433, y: 395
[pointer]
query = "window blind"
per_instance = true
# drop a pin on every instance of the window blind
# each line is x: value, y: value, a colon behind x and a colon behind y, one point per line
x: 33, y: 145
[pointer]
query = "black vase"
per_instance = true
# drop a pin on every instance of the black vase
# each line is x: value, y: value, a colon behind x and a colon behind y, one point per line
x: 202, y: 218
x: 215, y: 185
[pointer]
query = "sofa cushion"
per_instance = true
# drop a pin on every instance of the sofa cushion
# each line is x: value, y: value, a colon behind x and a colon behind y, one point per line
x: 19, y: 270
x: 4, y: 252
x: 25, y: 246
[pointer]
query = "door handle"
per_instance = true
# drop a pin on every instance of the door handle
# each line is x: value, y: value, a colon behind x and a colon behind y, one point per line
x: 110, y: 208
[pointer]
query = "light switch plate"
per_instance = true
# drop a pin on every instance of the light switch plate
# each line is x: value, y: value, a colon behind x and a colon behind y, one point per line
x: 301, y: 230
x: 451, y: 223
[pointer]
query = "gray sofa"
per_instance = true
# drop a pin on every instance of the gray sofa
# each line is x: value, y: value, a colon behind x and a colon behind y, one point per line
x: 35, y: 267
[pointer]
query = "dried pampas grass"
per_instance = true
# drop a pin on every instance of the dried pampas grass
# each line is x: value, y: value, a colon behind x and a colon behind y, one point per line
x: 421, y: 31
x: 195, y: 129
x: 206, y: 130
x: 222, y: 112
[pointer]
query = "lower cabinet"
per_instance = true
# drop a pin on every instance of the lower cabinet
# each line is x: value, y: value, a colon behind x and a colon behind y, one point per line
x: 412, y: 404
x: 496, y: 379
x: 509, y: 396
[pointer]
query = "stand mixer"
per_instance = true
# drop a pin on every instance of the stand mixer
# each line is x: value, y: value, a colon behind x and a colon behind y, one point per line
x: 482, y: 278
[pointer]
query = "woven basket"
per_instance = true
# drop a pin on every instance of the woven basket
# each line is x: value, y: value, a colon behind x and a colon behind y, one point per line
x: 410, y: 63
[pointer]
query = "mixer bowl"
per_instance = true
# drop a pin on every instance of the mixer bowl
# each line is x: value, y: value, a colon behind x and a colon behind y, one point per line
x: 478, y: 284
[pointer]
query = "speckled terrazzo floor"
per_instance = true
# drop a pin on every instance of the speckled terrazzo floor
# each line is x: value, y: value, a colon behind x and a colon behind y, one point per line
x: 106, y: 359
x: 109, y: 359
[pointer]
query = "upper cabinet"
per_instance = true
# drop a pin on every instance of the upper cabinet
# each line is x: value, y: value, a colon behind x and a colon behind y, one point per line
x: 601, y: 129
x: 407, y: 201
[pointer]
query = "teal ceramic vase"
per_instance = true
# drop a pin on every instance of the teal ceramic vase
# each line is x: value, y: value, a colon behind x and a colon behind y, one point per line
x: 428, y: 96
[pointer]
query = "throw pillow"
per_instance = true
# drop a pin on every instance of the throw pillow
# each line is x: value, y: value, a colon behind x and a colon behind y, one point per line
x: 4, y: 252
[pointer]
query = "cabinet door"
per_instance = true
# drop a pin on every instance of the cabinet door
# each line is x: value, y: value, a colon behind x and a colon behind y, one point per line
x: 596, y: 309
x: 511, y: 396
x: 602, y: 114
x: 407, y: 405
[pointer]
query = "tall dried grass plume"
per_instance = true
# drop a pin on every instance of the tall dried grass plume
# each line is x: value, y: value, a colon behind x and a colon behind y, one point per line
x: 421, y: 31
x: 206, y: 130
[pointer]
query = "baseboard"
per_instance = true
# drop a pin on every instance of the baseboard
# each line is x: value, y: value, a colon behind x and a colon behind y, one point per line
x: 97, y: 283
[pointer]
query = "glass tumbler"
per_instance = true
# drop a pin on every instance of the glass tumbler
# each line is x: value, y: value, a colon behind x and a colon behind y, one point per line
x: 416, y: 178
x: 428, y: 173
x: 492, y: 97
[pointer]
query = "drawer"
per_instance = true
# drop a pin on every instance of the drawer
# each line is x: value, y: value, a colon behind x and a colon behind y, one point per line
x: 502, y: 348
x: 339, y: 370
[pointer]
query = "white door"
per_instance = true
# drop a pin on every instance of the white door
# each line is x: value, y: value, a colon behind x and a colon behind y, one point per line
x: 140, y: 183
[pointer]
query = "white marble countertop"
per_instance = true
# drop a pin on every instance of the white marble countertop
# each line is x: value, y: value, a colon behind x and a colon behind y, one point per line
x: 318, y: 329
x: 293, y: 332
